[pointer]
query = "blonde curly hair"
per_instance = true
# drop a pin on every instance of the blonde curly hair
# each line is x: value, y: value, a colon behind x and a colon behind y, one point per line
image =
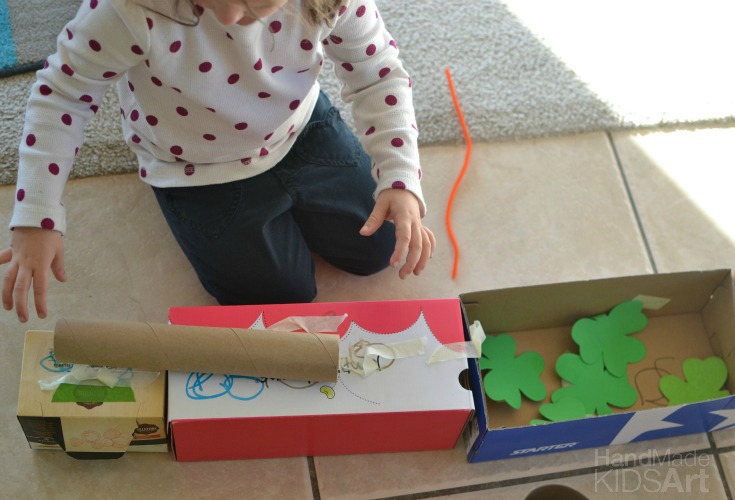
x: 318, y: 11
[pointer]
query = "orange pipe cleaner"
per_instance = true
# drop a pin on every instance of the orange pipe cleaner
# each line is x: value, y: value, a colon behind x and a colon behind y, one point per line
x: 468, y: 153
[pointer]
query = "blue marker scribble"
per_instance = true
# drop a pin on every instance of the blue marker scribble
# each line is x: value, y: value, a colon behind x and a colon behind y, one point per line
x: 50, y: 364
x: 210, y: 386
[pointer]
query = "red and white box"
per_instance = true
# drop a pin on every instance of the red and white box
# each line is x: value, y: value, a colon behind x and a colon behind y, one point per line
x: 406, y: 405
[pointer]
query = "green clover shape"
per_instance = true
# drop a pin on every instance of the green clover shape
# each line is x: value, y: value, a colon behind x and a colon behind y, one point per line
x: 704, y: 381
x: 595, y: 387
x: 606, y: 337
x: 510, y: 376
x: 564, y: 409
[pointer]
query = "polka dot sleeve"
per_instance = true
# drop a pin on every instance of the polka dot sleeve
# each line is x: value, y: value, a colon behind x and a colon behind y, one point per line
x: 92, y: 50
x: 375, y: 82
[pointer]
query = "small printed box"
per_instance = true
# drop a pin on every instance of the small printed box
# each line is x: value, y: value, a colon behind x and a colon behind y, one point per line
x: 405, y: 404
x: 86, y: 421
x: 669, y: 373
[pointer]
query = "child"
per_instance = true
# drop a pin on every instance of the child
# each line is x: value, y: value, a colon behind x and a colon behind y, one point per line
x: 251, y: 165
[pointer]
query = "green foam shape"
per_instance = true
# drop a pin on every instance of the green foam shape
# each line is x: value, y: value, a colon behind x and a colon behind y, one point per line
x: 606, y: 337
x: 704, y: 381
x: 71, y: 393
x: 568, y: 408
x: 510, y: 376
x: 595, y: 387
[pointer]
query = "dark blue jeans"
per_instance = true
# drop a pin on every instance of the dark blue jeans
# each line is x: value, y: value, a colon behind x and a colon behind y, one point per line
x: 251, y: 241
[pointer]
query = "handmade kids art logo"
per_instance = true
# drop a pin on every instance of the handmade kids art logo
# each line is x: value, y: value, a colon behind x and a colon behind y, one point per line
x: 653, y: 472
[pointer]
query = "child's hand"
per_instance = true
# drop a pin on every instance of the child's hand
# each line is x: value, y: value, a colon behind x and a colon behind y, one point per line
x: 32, y: 252
x: 414, y: 242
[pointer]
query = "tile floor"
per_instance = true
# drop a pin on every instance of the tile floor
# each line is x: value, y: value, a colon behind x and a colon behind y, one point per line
x: 535, y: 211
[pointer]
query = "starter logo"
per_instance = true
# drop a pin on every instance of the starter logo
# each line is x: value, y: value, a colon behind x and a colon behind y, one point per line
x: 551, y: 447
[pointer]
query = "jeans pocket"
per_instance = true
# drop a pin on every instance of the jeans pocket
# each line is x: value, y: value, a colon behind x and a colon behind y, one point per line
x: 328, y: 141
x: 207, y: 210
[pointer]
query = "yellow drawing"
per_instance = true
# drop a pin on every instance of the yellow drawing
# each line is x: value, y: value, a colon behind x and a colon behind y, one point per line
x: 327, y: 391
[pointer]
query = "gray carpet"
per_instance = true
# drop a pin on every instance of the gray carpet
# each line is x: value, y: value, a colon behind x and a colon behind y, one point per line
x: 522, y: 69
x: 34, y: 27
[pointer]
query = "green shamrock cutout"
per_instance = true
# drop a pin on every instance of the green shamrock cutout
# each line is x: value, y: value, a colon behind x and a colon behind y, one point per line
x: 606, y: 337
x: 509, y: 376
x: 568, y: 408
x: 704, y: 380
x: 595, y: 387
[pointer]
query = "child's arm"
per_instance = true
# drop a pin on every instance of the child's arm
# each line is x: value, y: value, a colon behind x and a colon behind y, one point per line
x: 380, y: 91
x: 414, y: 241
x: 93, y: 49
x: 31, y: 253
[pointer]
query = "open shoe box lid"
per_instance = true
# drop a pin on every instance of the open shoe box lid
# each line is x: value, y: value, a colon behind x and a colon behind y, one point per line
x: 690, y: 315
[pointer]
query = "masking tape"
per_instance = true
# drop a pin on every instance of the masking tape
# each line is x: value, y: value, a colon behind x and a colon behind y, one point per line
x: 310, y: 324
x: 365, y: 361
x: 461, y: 350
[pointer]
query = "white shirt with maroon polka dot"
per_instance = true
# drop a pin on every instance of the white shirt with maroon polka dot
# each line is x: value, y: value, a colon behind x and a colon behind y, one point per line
x: 210, y: 104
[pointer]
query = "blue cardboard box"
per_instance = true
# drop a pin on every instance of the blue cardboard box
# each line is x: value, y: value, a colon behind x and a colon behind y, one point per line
x: 690, y: 315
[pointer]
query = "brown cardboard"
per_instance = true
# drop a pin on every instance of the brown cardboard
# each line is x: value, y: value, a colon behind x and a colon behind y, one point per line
x: 234, y: 351
x: 690, y: 315
x: 542, y: 306
x: 86, y: 429
x: 669, y: 341
x: 718, y: 317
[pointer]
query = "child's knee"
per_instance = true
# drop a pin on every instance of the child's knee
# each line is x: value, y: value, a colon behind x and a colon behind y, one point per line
x: 374, y: 256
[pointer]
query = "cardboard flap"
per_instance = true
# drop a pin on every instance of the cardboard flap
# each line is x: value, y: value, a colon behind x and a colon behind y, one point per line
x: 561, y: 304
x: 690, y: 318
x: 719, y: 320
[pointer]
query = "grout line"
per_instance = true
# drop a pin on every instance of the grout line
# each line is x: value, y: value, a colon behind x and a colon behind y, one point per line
x: 718, y: 463
x: 314, y: 480
x: 631, y: 200
x: 712, y: 450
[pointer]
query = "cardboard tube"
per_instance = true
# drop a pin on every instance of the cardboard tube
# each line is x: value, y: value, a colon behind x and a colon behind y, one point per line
x: 231, y: 351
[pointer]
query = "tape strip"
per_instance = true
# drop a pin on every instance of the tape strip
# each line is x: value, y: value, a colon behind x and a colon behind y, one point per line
x: 310, y: 324
x: 652, y: 303
x: 364, y: 359
x: 461, y: 350
x: 89, y: 375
